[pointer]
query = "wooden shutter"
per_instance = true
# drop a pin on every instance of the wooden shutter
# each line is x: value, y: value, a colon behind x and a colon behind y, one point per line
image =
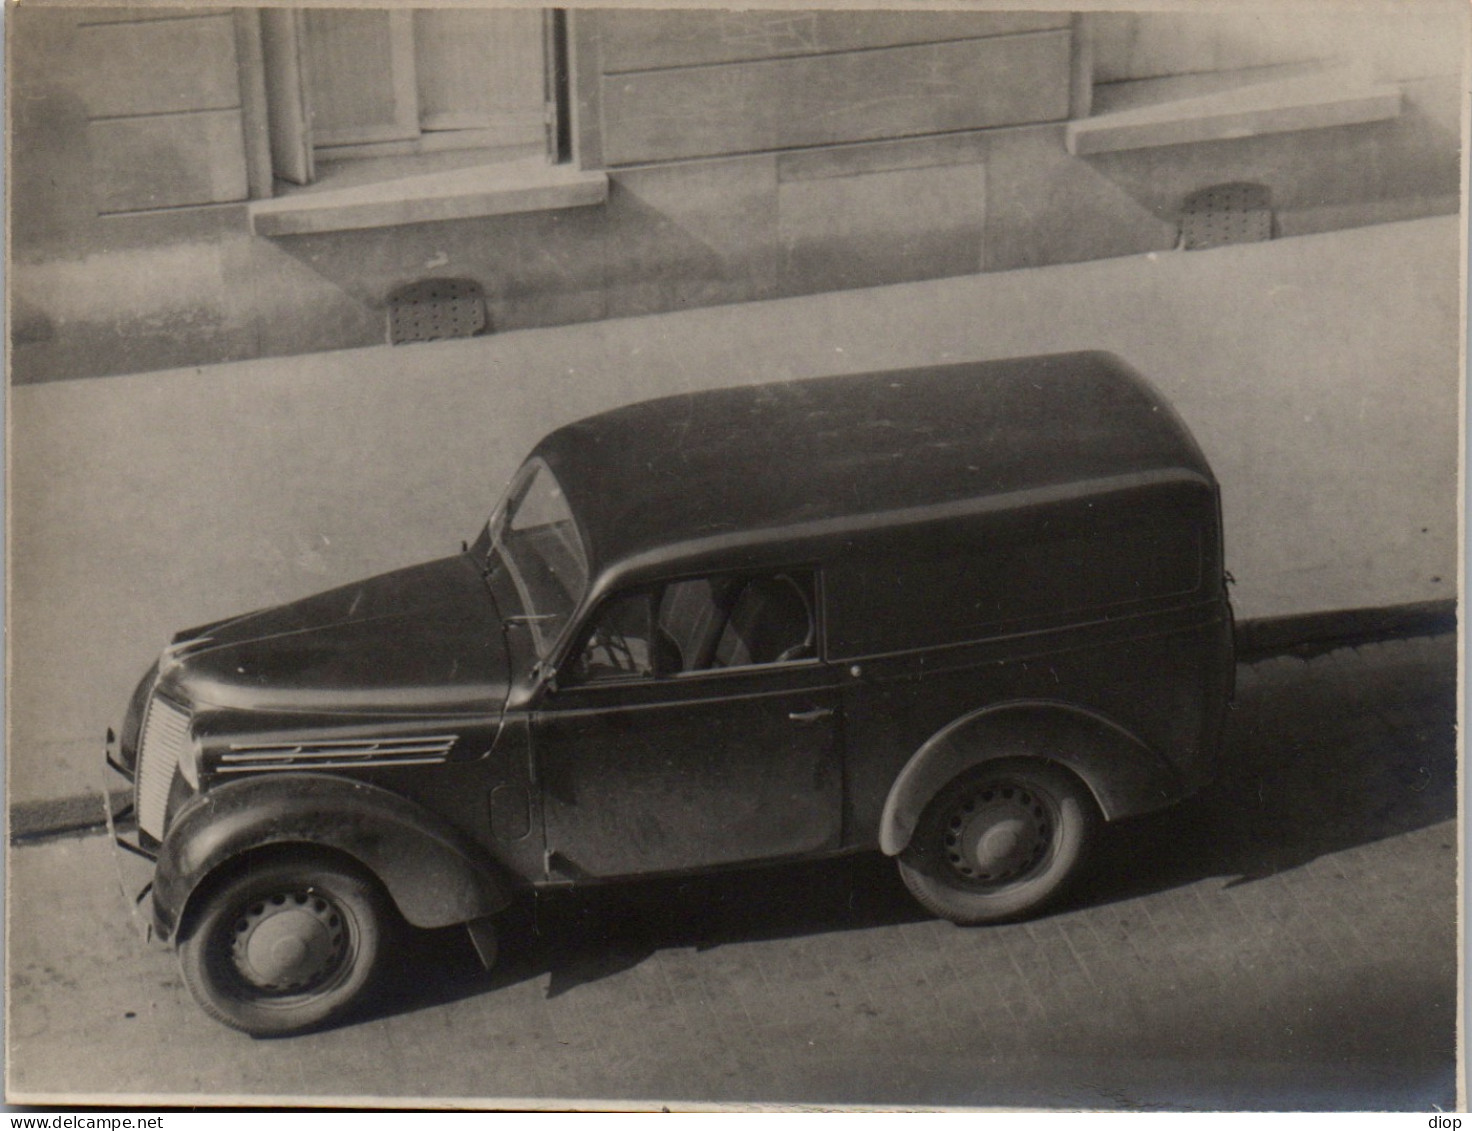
x: 164, y: 108
x: 481, y: 70
x: 360, y: 75
x: 286, y: 109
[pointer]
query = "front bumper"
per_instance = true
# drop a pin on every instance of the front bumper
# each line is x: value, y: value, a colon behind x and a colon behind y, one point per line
x: 132, y: 863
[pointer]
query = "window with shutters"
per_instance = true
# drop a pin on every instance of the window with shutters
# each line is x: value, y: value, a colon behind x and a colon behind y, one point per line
x: 394, y: 83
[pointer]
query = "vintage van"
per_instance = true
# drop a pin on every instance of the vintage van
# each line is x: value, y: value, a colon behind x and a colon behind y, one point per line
x: 958, y: 614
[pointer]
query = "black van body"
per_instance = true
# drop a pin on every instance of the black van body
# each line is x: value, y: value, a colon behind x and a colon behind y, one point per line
x: 958, y: 614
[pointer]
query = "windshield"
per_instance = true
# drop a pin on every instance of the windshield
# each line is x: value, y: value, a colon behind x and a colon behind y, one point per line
x: 535, y: 536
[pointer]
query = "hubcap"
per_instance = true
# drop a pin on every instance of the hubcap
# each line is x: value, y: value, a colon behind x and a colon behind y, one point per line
x: 288, y: 941
x: 998, y: 834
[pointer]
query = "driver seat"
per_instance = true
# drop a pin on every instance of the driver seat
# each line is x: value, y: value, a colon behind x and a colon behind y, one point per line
x: 772, y: 622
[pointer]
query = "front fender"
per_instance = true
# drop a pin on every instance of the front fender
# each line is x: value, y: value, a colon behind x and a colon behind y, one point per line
x: 1125, y: 776
x: 435, y: 875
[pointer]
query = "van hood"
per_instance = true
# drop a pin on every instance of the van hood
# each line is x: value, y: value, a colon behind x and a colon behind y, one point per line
x: 426, y: 639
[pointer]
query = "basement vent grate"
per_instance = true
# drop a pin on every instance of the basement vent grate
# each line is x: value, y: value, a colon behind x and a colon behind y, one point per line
x: 434, y: 309
x: 1227, y: 214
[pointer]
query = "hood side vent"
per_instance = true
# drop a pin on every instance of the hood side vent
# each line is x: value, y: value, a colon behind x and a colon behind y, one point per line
x: 336, y: 754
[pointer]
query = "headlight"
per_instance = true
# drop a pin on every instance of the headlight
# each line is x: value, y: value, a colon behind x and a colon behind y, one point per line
x: 131, y: 730
x: 189, y: 759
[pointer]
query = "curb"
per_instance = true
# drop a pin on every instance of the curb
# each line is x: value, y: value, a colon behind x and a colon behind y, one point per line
x: 1313, y: 634
x: 1301, y: 637
x: 30, y: 820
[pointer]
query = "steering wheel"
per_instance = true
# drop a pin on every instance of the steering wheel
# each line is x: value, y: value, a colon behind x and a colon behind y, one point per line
x: 615, y: 645
x: 796, y: 652
x: 803, y: 648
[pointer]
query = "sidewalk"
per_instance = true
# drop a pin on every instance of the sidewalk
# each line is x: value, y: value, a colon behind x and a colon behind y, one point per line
x: 1322, y: 386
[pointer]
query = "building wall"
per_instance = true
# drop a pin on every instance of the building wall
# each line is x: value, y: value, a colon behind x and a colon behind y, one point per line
x: 751, y: 155
x: 683, y: 85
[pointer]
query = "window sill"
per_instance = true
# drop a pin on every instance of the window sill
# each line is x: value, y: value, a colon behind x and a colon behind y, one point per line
x: 483, y: 190
x: 1156, y: 112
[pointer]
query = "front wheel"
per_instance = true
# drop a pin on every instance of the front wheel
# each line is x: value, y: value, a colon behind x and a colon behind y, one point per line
x: 998, y: 842
x: 286, y: 946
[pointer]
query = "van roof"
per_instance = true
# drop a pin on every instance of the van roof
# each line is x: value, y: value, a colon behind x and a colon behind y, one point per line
x: 757, y: 460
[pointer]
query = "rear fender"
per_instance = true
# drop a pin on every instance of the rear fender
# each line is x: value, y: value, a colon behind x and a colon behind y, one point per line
x: 435, y: 875
x: 1124, y: 775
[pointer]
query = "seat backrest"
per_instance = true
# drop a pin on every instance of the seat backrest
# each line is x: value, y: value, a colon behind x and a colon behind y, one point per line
x: 772, y: 620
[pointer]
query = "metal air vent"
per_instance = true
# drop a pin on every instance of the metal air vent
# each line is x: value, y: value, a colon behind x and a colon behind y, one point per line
x: 433, y: 309
x: 1227, y: 214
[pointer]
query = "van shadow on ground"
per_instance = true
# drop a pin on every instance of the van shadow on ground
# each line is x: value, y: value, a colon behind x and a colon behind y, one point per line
x: 1320, y: 757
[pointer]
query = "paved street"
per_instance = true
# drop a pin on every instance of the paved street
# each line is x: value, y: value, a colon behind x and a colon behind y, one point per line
x: 1286, y: 940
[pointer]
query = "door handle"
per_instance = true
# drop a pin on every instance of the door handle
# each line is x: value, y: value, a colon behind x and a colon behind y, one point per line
x: 810, y: 716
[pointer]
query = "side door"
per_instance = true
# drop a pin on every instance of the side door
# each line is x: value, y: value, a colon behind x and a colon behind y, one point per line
x: 695, y: 725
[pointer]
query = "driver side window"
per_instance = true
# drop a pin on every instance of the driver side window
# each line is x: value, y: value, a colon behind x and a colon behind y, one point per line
x: 701, y: 624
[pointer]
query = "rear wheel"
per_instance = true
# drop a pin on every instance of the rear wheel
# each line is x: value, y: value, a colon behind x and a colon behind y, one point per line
x: 998, y: 842
x: 285, y: 947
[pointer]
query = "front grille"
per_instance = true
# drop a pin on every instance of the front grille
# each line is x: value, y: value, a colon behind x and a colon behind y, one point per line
x: 165, y: 732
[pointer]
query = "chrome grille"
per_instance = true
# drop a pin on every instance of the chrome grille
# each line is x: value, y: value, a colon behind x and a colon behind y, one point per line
x: 165, y: 732
x: 336, y: 753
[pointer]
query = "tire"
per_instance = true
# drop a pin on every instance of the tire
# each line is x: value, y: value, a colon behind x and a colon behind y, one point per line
x: 287, y: 946
x: 999, y: 842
